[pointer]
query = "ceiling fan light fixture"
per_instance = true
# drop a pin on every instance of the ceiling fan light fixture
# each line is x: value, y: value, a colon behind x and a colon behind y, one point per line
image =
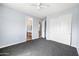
x: 39, y: 5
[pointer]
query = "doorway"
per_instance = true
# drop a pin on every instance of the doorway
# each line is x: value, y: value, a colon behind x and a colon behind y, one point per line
x: 29, y: 29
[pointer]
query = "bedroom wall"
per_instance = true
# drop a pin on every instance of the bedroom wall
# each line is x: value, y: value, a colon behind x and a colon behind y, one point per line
x: 12, y: 27
x: 75, y: 28
x: 59, y: 28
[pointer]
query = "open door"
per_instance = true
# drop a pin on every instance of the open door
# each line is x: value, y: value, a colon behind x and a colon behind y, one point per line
x: 29, y: 29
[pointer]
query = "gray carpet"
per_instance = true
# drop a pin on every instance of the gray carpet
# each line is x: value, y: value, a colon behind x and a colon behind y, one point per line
x: 39, y: 47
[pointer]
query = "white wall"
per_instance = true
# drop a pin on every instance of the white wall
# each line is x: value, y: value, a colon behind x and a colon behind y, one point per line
x: 74, y: 17
x: 75, y: 28
x: 12, y: 27
x: 59, y: 28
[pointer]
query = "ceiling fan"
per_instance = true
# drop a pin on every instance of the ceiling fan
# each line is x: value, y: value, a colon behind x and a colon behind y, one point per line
x: 39, y: 5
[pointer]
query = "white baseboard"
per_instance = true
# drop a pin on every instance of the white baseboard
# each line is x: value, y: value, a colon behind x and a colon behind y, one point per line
x: 10, y: 44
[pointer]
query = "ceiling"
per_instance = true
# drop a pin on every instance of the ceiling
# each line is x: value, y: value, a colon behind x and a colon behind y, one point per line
x: 42, y: 12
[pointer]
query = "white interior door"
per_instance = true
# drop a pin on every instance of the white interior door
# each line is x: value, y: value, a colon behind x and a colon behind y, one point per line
x: 59, y: 29
x: 43, y: 28
x: 35, y: 28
